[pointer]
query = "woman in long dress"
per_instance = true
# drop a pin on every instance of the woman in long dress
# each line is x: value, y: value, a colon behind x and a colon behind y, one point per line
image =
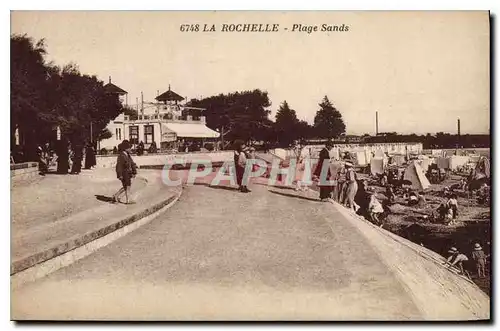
x: 352, y: 186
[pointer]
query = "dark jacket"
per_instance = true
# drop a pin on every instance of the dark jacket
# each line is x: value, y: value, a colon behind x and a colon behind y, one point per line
x: 324, y: 156
x: 125, y: 166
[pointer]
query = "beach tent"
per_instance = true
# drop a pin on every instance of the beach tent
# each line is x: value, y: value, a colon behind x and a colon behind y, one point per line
x: 379, y: 153
x: 335, y: 153
x: 482, y: 169
x: 474, y: 158
x: 437, y: 152
x: 443, y: 162
x: 398, y: 159
x: 368, y: 156
x: 425, y: 162
x: 377, y: 165
x: 416, y: 176
x: 361, y: 158
x: 457, y: 161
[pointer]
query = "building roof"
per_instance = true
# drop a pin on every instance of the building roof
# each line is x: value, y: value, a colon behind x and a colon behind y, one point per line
x: 191, y: 130
x: 169, y: 96
x: 113, y: 89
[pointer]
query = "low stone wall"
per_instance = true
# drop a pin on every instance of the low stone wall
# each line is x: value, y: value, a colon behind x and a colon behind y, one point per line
x: 23, y: 171
x: 159, y: 160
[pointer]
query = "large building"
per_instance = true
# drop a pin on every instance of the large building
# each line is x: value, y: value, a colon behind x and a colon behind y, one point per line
x: 168, y: 123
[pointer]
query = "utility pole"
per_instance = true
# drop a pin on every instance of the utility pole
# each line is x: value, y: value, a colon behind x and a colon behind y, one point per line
x: 458, y: 128
x: 142, y: 104
x: 376, y: 123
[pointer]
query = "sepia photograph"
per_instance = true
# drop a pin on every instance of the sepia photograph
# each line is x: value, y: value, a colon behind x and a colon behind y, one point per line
x: 250, y: 166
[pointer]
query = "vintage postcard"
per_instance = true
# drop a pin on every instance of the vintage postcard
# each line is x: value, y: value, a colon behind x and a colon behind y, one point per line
x: 250, y: 165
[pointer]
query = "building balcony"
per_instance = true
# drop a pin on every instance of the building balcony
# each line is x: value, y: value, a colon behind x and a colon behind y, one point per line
x: 165, y: 118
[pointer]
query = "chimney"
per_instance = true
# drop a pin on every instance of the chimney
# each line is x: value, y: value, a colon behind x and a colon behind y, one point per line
x: 376, y: 123
x: 110, y: 79
x: 458, y: 129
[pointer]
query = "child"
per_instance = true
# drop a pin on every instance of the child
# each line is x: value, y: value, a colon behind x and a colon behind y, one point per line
x: 457, y: 258
x: 126, y: 169
x: 480, y: 258
x: 453, y: 204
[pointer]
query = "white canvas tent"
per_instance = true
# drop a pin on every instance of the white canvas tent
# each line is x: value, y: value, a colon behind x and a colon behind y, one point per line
x: 457, y: 161
x: 416, y: 176
x: 377, y: 165
x: 361, y: 158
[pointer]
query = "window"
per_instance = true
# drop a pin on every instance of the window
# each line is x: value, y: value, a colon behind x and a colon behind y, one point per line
x: 134, y: 134
x: 148, y: 134
x: 120, y: 134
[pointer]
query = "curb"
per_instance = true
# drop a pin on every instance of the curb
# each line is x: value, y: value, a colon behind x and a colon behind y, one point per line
x: 41, y: 264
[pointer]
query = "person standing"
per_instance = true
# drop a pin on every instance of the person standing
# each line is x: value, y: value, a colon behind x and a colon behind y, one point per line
x: 352, y: 186
x: 480, y: 258
x: 453, y: 204
x: 62, y: 157
x: 325, y: 189
x: 77, y: 160
x: 240, y: 160
x: 90, y: 159
x: 126, y: 169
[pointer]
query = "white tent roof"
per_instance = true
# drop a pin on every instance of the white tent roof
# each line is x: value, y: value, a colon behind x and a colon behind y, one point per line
x: 190, y: 130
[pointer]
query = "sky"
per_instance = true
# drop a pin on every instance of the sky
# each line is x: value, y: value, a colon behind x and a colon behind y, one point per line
x: 420, y: 70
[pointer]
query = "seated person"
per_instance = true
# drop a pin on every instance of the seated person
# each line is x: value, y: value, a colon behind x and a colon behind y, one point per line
x: 412, y: 199
x: 375, y: 209
x: 442, y: 211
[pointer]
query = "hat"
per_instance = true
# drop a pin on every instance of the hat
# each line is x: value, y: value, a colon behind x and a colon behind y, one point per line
x: 453, y: 250
x: 477, y: 247
x: 125, y: 144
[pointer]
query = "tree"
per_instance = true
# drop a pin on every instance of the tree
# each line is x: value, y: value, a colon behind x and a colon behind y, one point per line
x: 244, y: 115
x: 303, y: 130
x: 286, y: 124
x: 28, y: 83
x: 45, y: 96
x: 328, y: 121
x: 131, y: 112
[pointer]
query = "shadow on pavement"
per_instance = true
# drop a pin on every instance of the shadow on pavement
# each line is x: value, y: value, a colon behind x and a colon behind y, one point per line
x: 104, y: 198
x: 281, y: 187
x: 227, y: 188
x: 295, y: 196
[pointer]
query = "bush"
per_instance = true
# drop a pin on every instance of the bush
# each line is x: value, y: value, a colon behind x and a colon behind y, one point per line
x: 104, y: 151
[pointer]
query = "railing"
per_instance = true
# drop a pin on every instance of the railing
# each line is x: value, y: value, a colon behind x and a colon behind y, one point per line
x: 167, y: 117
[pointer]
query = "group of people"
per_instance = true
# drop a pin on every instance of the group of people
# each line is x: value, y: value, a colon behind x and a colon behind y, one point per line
x: 457, y: 258
x: 342, y: 180
x: 448, y: 211
x: 68, y: 158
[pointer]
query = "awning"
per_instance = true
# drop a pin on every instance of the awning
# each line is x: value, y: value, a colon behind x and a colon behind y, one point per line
x: 190, y: 130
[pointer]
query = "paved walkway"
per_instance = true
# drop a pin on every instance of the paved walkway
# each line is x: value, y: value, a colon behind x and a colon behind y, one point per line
x: 58, y: 208
x: 221, y: 254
